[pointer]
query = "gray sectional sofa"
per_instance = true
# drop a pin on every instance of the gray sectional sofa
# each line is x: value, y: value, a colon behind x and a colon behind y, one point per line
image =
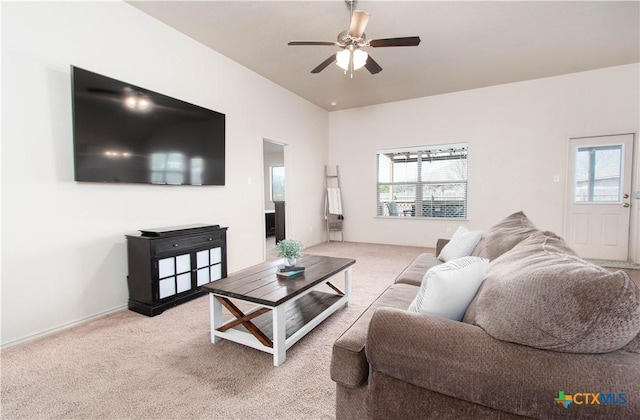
x: 547, y: 336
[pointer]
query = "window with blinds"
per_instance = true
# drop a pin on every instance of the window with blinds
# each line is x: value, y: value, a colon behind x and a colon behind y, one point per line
x: 424, y: 181
x: 277, y: 183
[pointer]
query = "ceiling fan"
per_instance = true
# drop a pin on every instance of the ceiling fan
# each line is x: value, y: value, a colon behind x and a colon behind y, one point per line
x: 352, y: 43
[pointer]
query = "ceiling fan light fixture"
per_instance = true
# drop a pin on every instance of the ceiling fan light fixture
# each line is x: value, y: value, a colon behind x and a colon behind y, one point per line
x: 342, y: 59
x: 351, y: 56
x: 359, y: 59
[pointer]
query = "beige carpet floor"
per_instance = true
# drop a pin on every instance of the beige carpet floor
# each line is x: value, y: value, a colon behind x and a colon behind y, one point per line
x: 622, y: 265
x: 129, y: 366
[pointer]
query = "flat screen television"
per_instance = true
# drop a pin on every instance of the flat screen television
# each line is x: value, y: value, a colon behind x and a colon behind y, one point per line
x: 125, y: 133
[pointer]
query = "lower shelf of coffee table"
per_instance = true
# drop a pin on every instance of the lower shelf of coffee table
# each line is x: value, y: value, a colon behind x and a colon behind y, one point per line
x: 298, y: 313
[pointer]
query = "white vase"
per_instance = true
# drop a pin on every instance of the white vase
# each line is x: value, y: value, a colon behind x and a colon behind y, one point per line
x: 291, y: 262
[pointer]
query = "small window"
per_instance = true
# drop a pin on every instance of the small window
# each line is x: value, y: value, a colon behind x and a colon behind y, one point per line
x: 598, y: 176
x: 425, y: 181
x: 277, y: 183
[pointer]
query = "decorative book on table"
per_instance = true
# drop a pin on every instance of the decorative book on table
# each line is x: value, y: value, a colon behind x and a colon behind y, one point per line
x: 289, y: 271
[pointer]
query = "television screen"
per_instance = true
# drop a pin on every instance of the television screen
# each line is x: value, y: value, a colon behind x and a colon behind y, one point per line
x: 124, y: 133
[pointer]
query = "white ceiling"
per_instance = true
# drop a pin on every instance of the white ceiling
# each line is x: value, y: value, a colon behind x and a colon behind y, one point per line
x: 465, y: 45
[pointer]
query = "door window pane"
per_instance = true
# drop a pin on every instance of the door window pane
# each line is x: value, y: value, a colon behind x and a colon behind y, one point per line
x: 607, y: 174
x: 598, y: 174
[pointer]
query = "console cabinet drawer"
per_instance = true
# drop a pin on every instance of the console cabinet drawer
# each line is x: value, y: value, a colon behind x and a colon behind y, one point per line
x: 179, y: 244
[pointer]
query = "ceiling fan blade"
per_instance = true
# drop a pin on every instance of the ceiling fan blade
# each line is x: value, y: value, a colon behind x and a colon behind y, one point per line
x: 312, y: 43
x: 372, y: 66
x: 409, y: 41
x: 359, y: 21
x: 324, y: 64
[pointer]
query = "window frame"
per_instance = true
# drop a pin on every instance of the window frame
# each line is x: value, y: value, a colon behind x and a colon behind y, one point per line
x: 593, y: 179
x: 271, y: 194
x: 452, y: 202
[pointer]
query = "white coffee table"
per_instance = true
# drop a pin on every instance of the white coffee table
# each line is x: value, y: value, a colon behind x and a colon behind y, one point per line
x: 282, y: 310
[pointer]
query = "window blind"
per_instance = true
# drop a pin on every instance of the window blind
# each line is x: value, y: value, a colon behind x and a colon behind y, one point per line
x: 422, y: 181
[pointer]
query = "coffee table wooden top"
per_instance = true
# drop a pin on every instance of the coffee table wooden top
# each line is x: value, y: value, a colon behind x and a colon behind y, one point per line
x: 260, y: 284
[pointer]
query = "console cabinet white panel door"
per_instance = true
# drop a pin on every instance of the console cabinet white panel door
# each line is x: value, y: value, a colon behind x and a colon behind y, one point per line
x: 183, y: 263
x: 209, y: 265
x: 167, y: 287
x: 184, y: 282
x: 166, y: 267
x: 174, y: 274
x: 215, y: 255
x: 203, y: 276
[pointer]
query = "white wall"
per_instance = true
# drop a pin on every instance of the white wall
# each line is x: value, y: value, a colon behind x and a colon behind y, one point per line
x: 517, y: 134
x: 64, y: 251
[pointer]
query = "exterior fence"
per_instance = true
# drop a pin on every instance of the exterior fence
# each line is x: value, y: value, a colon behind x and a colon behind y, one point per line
x: 452, y: 208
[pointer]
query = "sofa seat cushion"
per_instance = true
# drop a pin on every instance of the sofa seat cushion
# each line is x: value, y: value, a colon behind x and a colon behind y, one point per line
x: 503, y: 236
x: 349, y: 364
x: 542, y: 295
x: 415, y: 271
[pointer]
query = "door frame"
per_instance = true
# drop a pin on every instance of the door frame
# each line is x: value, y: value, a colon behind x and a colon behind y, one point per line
x: 287, y: 177
x: 634, y: 214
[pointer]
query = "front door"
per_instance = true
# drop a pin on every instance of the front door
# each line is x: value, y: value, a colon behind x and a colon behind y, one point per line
x: 598, y: 210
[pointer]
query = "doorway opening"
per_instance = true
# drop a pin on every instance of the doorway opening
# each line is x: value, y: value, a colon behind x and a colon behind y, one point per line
x: 274, y: 196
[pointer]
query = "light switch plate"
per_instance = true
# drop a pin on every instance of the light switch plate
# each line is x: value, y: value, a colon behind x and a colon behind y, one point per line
x: 636, y: 195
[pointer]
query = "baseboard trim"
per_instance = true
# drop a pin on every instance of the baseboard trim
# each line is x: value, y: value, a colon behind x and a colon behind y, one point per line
x: 623, y: 265
x: 61, y: 327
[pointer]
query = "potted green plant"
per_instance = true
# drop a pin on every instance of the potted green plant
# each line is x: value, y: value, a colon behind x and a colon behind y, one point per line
x: 290, y: 250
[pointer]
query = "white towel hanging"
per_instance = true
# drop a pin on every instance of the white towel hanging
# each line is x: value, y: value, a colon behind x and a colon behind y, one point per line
x: 335, y: 203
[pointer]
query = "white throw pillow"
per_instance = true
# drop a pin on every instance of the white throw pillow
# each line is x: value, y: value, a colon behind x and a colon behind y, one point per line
x: 447, y: 289
x: 461, y: 244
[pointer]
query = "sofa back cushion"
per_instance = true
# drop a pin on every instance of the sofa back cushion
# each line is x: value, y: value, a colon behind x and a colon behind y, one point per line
x: 461, y: 244
x: 634, y: 345
x: 415, y: 271
x: 542, y: 295
x: 503, y: 236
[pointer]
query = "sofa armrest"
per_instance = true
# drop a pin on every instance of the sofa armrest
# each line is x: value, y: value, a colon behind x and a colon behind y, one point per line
x: 462, y: 361
x: 349, y: 366
x: 440, y: 244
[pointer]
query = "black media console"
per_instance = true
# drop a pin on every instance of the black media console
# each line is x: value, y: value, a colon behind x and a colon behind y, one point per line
x: 168, y: 266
